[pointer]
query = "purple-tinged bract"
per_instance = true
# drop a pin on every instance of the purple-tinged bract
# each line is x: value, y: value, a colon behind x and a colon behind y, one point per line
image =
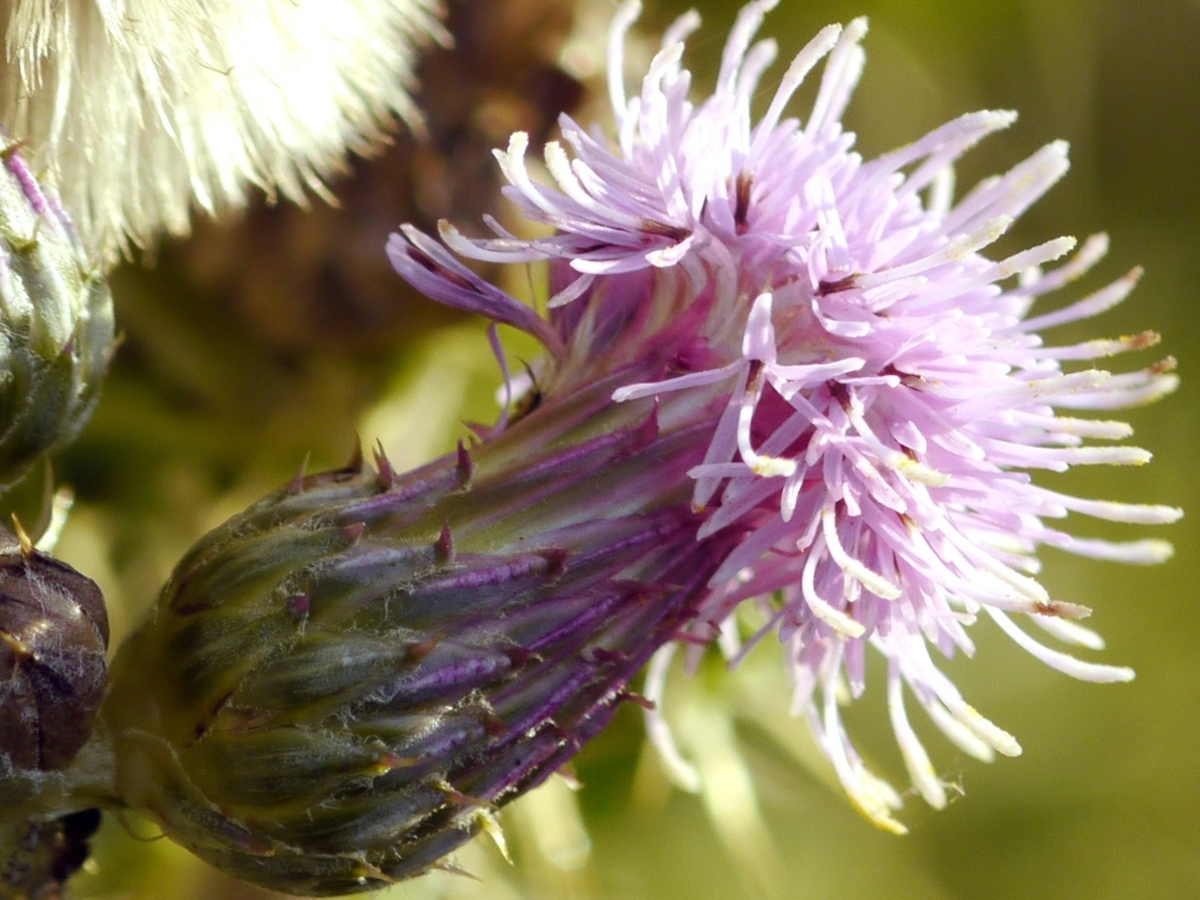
x: 341, y: 684
x: 874, y: 387
x: 56, y: 322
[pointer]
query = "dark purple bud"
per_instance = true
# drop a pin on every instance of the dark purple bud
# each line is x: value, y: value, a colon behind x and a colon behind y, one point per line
x: 53, y: 637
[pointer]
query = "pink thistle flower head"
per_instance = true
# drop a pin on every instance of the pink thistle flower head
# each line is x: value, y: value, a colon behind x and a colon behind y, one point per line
x: 877, y: 387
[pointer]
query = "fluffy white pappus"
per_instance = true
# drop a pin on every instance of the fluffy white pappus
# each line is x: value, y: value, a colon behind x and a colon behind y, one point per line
x: 141, y: 111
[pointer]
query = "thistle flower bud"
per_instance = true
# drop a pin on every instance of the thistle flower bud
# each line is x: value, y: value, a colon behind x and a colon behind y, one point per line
x: 53, y: 637
x: 341, y: 684
x: 56, y: 323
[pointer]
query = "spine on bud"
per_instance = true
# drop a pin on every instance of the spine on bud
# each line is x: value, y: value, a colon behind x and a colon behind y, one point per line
x: 340, y: 685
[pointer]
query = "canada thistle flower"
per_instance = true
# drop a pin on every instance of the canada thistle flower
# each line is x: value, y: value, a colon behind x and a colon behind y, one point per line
x: 871, y: 389
x: 141, y: 109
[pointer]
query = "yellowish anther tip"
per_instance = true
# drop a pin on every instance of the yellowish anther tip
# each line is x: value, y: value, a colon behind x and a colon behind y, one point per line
x: 773, y: 467
x: 887, y: 823
x: 920, y: 473
x: 878, y: 816
x: 851, y: 628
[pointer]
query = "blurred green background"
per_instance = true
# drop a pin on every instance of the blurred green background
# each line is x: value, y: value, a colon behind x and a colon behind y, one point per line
x: 208, y: 408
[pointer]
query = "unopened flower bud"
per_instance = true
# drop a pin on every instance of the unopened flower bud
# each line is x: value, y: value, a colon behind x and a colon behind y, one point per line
x: 340, y: 685
x: 53, y: 637
x: 56, y: 323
